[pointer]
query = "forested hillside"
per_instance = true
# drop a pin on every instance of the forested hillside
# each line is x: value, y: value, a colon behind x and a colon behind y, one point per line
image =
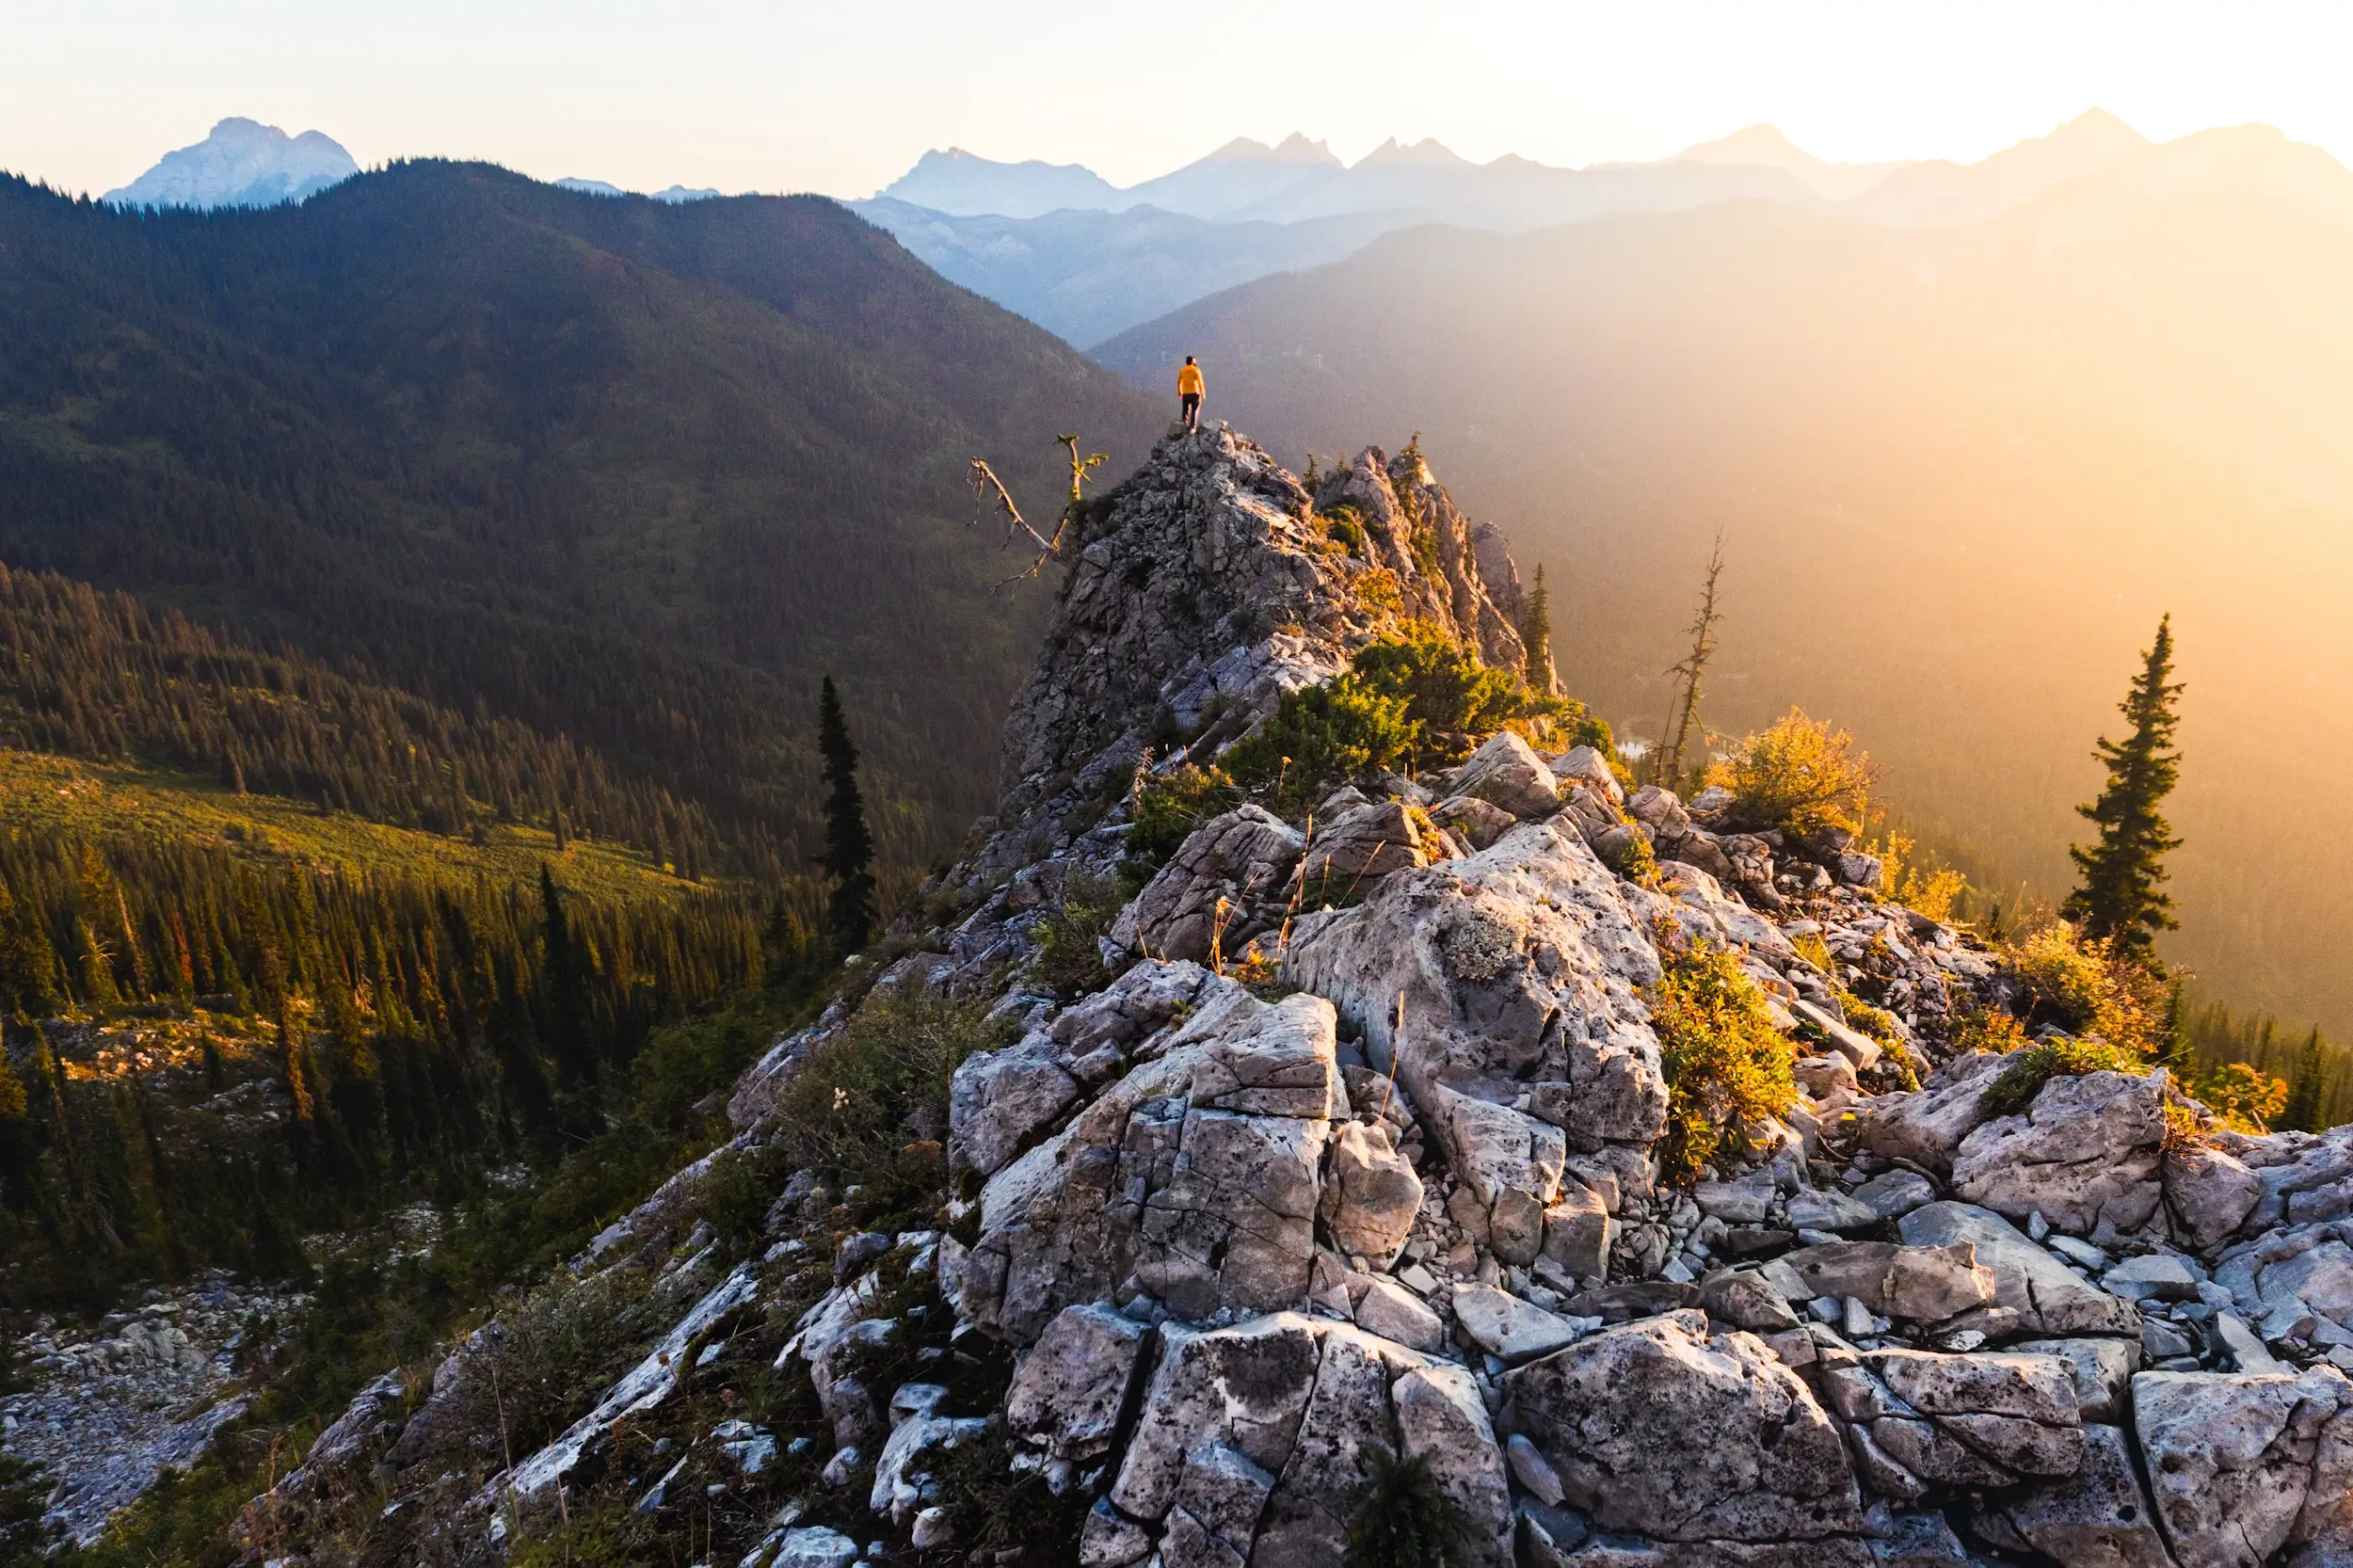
x: 624, y: 472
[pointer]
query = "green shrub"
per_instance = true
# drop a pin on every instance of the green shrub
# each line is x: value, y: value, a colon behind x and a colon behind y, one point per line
x: 1168, y: 807
x: 993, y: 1505
x: 1404, y: 1519
x: 1345, y: 528
x: 1799, y: 776
x: 871, y: 1108
x: 2029, y: 1069
x: 1321, y: 735
x: 1068, y: 959
x: 1727, y: 1067
x: 2088, y: 987
x: 1453, y: 700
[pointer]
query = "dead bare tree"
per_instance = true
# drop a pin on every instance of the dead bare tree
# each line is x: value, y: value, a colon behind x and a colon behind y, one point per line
x: 1684, y: 712
x: 984, y: 482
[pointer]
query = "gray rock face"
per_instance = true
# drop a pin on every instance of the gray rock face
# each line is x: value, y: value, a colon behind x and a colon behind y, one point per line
x: 2018, y: 1414
x: 1656, y: 1427
x: 1506, y: 1327
x: 2033, y: 1291
x: 2085, y: 1156
x: 1360, y: 846
x: 1927, y: 1128
x: 1001, y: 1099
x: 1370, y: 1193
x: 1257, y: 1438
x: 2098, y: 1518
x: 1507, y: 772
x: 1472, y: 820
x: 2209, y: 1194
x: 2242, y: 1466
x: 2296, y: 1283
x: 2103, y: 1370
x: 2306, y: 1177
x: 1194, y: 1179
x: 1066, y: 1393
x: 1238, y: 859
x: 1522, y: 1037
x: 1929, y: 1283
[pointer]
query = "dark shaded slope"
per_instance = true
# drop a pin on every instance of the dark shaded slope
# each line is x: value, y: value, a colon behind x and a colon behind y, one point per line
x: 633, y: 472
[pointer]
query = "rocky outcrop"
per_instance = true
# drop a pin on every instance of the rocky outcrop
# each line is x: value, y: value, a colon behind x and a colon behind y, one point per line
x: 1349, y: 1155
x: 1502, y: 990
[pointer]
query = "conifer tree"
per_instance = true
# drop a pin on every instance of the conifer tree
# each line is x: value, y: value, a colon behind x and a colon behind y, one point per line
x: 568, y: 987
x: 2120, y: 900
x: 1536, y: 635
x: 849, y: 857
x: 2307, y: 1109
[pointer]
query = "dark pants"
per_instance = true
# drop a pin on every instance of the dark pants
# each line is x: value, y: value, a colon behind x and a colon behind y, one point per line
x: 1191, y: 416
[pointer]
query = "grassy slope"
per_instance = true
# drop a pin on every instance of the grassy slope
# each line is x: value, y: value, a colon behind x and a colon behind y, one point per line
x: 103, y: 800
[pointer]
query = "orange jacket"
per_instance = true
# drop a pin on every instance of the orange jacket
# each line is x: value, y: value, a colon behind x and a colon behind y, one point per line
x: 1189, y: 381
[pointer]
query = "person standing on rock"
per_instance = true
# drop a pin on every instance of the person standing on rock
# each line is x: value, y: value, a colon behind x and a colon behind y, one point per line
x: 1189, y: 390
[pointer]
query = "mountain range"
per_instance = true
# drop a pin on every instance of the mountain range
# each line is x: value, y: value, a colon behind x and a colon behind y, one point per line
x: 1960, y: 473
x: 242, y: 162
x: 1085, y: 259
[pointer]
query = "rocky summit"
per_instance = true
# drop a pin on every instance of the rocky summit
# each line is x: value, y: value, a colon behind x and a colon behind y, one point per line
x: 1319, y: 1161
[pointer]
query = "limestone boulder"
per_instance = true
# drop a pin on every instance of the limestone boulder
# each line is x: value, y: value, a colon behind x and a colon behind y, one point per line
x: 1357, y: 849
x: 1001, y: 1100
x: 2295, y: 1283
x: 1927, y: 1128
x: 1586, y: 766
x: 2020, y: 1412
x: 2086, y: 1156
x: 1507, y: 772
x: 1928, y: 1283
x: 1255, y: 1441
x: 1506, y: 1327
x: 2103, y: 1370
x: 2208, y: 1194
x: 2306, y: 1176
x: 1476, y: 822
x: 1241, y: 860
x: 2098, y: 1518
x: 2241, y: 1466
x: 1066, y: 1396
x: 2033, y: 1292
x: 1659, y: 1428
x: 1504, y: 991
x: 1194, y: 1179
x: 1371, y: 1195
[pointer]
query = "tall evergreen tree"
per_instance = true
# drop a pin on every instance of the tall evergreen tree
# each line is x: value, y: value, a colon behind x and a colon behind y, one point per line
x: 849, y: 857
x: 2120, y: 899
x: 567, y: 987
x: 1536, y: 633
x: 2307, y: 1109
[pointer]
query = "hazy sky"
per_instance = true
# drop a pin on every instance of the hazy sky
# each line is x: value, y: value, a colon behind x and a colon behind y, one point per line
x: 840, y: 97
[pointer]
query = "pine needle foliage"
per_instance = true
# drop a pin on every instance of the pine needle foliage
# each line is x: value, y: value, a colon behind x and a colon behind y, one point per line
x: 2121, y: 898
x: 849, y: 857
x: 1404, y: 1519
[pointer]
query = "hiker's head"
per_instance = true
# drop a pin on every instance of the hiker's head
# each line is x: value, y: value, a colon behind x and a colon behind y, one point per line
x: 1187, y: 358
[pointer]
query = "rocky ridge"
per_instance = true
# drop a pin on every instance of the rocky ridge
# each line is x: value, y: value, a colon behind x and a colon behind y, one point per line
x: 1286, y: 1188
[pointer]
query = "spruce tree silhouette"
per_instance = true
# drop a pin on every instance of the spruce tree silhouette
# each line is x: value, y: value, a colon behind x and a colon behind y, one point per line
x: 849, y: 857
x: 2120, y: 900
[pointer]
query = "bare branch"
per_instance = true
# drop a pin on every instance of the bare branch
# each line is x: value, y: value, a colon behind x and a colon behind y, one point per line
x: 984, y: 482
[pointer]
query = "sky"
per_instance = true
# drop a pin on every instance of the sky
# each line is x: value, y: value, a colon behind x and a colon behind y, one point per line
x: 841, y: 98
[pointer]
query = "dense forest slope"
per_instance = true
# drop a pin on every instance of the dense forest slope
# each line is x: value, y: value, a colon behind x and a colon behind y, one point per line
x: 1960, y: 473
x: 620, y: 471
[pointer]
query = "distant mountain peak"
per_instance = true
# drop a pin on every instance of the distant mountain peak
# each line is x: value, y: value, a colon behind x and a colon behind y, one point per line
x: 1428, y: 152
x: 1293, y: 149
x: 242, y: 162
x: 673, y: 195
x: 1752, y: 144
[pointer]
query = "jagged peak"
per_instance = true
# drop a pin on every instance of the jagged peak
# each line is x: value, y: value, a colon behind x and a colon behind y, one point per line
x: 1209, y: 582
